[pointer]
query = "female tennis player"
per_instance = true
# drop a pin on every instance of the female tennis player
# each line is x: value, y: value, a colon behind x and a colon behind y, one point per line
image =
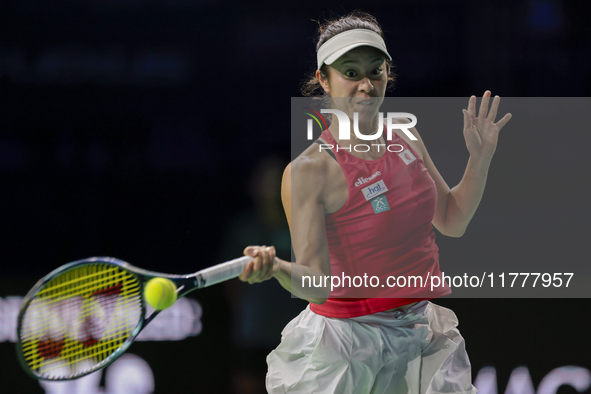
x: 403, y: 344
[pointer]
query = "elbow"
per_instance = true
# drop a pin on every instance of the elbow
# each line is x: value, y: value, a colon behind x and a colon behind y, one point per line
x: 319, y: 295
x: 455, y: 233
x: 318, y: 301
x: 451, y: 231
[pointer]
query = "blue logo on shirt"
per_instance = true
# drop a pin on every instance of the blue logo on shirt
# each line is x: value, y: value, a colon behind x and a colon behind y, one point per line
x: 374, y: 191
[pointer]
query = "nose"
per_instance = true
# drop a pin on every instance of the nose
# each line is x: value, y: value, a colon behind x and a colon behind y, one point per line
x: 365, y: 85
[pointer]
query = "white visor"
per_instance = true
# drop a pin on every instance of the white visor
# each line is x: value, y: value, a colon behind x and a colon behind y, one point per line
x: 342, y: 43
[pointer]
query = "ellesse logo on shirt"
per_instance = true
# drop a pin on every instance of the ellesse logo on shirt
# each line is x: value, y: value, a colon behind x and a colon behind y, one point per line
x: 361, y: 181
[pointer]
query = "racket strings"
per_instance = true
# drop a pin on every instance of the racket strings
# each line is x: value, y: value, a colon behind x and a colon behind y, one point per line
x: 80, y: 285
x: 79, y: 319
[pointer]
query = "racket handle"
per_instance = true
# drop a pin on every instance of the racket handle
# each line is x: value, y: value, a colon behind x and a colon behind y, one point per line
x: 222, y: 272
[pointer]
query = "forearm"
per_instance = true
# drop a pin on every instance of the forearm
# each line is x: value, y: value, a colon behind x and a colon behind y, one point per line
x: 291, y: 277
x: 465, y: 197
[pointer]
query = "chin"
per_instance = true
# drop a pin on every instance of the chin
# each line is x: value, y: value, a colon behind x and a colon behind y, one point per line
x: 366, y: 113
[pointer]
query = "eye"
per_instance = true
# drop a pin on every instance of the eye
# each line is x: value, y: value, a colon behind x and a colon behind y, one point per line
x: 351, y: 74
x: 377, y: 70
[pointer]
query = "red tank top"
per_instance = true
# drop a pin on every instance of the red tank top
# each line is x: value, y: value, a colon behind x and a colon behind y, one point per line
x: 384, y: 229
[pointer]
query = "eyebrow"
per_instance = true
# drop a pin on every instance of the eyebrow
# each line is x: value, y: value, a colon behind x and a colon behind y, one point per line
x: 355, y: 61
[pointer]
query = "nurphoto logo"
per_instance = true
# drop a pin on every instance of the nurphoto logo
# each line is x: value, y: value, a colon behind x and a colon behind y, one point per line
x: 345, y: 129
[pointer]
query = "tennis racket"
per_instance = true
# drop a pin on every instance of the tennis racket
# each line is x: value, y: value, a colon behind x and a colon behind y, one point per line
x: 82, y: 316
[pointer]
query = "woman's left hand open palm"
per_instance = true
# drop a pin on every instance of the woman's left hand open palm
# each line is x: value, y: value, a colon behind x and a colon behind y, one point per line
x: 481, y: 132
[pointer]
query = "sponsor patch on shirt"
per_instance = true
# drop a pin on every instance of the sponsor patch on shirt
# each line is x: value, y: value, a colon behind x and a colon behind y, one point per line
x: 407, y: 156
x: 380, y: 204
x: 374, y: 190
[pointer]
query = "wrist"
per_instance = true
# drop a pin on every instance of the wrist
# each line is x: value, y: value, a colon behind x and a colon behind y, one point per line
x: 281, y: 268
x: 480, y: 162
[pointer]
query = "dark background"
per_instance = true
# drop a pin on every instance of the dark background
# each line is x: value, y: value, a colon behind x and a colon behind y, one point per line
x: 133, y: 128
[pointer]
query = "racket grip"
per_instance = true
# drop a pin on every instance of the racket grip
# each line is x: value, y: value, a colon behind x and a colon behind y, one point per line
x: 222, y: 272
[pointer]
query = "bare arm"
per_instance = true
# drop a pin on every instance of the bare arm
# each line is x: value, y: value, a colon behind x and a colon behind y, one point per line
x: 301, y: 193
x: 457, y: 206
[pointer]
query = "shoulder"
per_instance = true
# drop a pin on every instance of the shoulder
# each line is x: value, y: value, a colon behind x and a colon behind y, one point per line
x: 418, y: 144
x: 311, y: 162
x: 308, y: 170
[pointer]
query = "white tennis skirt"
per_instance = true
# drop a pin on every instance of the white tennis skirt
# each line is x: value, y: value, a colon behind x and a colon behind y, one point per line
x: 418, y: 351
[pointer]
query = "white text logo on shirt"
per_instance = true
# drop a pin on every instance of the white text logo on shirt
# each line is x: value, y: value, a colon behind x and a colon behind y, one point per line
x: 361, y: 181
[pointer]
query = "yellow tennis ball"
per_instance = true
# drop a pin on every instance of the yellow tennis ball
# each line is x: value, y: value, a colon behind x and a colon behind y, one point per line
x: 160, y: 293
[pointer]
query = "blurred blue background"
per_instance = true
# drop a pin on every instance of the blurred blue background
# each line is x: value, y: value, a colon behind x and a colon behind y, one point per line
x: 157, y: 131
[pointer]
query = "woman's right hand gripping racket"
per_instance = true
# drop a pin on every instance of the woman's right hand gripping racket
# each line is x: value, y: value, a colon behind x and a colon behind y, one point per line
x: 82, y: 316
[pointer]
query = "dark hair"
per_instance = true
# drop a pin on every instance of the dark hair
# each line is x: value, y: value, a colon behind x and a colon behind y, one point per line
x: 330, y: 28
